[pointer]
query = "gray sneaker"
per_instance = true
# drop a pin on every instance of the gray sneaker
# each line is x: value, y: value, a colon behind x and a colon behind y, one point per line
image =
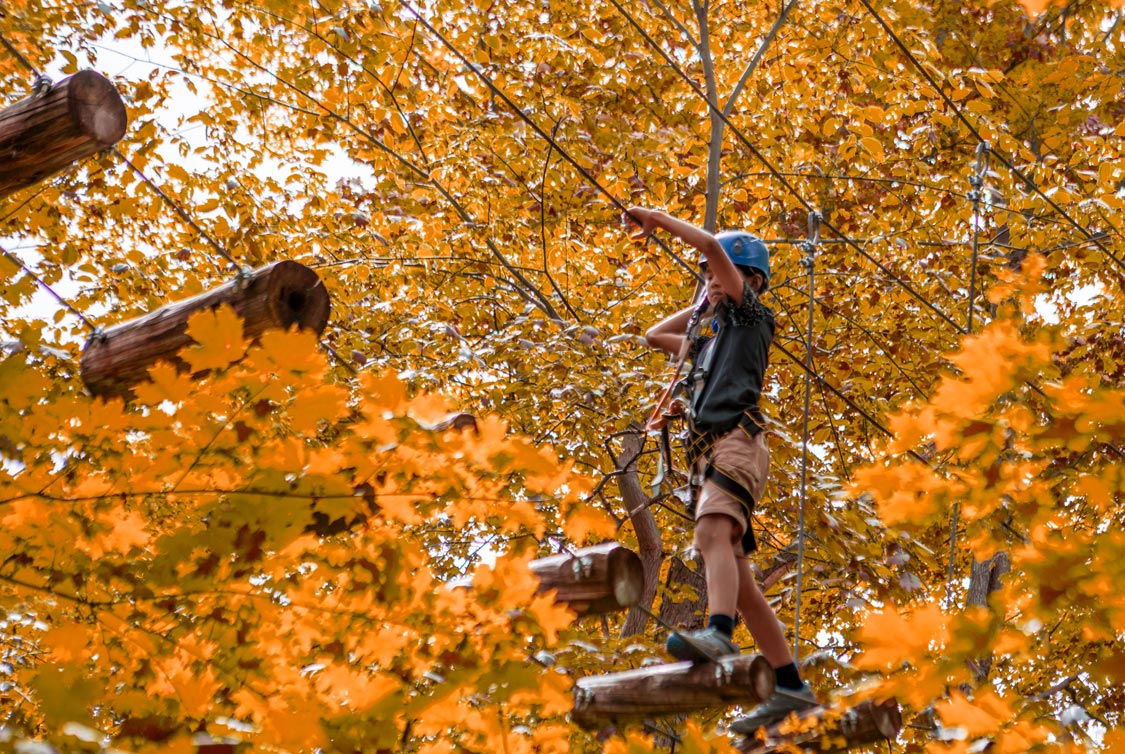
x: 775, y: 709
x: 704, y: 645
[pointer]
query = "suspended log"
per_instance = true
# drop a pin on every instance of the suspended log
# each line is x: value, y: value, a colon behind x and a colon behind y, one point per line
x: 675, y: 689
x: 595, y: 580
x: 39, y: 136
x: 279, y: 295
x: 823, y: 729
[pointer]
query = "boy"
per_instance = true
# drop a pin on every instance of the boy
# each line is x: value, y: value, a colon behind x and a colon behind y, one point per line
x: 729, y: 445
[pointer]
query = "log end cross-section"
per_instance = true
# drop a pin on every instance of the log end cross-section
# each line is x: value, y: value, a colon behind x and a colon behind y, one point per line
x: 605, y: 578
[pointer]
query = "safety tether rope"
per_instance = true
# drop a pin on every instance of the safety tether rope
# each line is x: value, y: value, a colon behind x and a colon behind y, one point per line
x: 809, y: 263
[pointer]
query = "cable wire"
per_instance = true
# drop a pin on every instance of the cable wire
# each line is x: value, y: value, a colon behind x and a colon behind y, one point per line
x: 538, y: 130
x: 181, y: 212
x: 809, y: 263
x: 778, y: 175
x: 43, y: 284
x: 41, y: 83
x: 976, y: 134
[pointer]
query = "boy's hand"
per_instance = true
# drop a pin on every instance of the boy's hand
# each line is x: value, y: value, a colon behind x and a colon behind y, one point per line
x: 644, y: 220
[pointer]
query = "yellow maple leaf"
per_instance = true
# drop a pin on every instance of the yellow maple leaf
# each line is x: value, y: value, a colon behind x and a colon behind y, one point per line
x: 327, y: 402
x: 66, y: 642
x: 891, y: 637
x: 552, y: 617
x: 1034, y: 7
x: 983, y: 716
x: 586, y: 522
x: 166, y: 384
x: 290, y: 354
x: 64, y: 693
x: 218, y: 336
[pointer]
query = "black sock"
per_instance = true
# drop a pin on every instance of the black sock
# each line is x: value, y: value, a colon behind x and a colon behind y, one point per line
x: 723, y: 623
x: 788, y: 677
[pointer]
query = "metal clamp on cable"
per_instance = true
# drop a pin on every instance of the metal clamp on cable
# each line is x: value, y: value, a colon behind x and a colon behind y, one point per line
x: 41, y: 85
x: 583, y: 567
x: 242, y: 277
x: 809, y: 244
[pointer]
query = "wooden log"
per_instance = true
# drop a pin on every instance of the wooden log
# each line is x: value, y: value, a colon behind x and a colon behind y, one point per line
x: 866, y: 723
x: 594, y: 580
x: 77, y: 117
x: 275, y: 296
x: 675, y: 689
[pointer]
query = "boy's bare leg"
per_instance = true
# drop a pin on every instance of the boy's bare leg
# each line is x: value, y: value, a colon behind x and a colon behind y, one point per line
x: 713, y: 534
x: 760, y: 617
x: 793, y: 694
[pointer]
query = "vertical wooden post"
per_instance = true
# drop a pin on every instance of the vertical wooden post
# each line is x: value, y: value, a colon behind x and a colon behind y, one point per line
x: 77, y: 117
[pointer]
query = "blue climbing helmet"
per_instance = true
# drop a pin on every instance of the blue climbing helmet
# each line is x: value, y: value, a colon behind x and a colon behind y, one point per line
x: 746, y: 250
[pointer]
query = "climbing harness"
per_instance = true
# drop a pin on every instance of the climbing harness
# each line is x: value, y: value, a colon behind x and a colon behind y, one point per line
x: 659, y: 417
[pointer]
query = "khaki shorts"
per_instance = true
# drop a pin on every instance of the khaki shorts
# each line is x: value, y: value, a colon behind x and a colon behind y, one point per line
x: 745, y: 459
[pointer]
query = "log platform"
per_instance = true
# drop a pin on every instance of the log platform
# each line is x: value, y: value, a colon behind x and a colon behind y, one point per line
x: 605, y: 578
x: 42, y: 134
x: 829, y: 730
x: 674, y: 689
x: 279, y: 295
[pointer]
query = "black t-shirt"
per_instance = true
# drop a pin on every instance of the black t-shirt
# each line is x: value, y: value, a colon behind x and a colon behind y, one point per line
x: 734, y: 361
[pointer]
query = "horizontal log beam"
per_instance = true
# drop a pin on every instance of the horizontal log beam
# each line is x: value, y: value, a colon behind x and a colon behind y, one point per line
x: 676, y: 689
x: 595, y: 580
x: 39, y: 136
x: 279, y: 295
x: 866, y: 723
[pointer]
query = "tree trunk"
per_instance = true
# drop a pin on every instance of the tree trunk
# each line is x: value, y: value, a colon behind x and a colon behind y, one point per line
x: 984, y: 579
x: 596, y: 580
x: 866, y: 723
x: 644, y: 526
x: 276, y: 296
x: 675, y: 689
x: 77, y: 117
x: 687, y: 614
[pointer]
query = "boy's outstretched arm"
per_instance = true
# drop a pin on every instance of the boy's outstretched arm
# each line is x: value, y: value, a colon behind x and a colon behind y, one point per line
x: 670, y: 333
x: 728, y: 276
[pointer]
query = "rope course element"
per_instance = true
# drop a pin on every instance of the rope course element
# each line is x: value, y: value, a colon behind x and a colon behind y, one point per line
x: 41, y: 83
x: 809, y: 263
x: 182, y: 213
x: 539, y: 131
x: 94, y: 329
x: 242, y: 270
x: 1000, y: 157
x: 779, y: 176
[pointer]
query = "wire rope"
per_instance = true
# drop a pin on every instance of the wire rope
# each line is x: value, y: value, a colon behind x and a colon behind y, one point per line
x: 809, y: 263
